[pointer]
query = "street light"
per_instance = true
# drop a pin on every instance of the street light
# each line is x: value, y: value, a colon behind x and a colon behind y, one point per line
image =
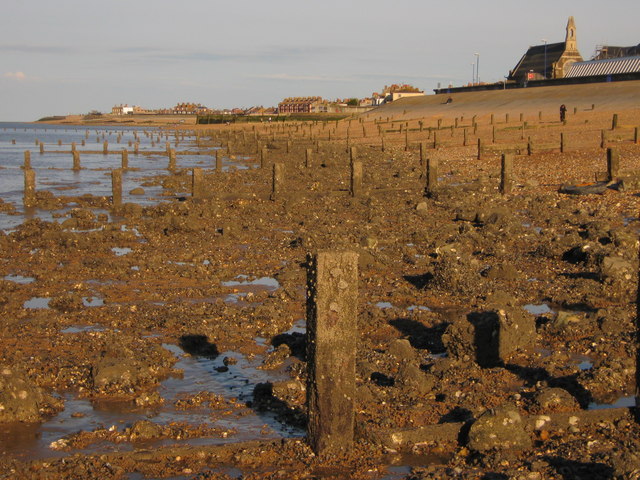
x: 477, y: 68
x: 545, y: 58
x: 473, y: 75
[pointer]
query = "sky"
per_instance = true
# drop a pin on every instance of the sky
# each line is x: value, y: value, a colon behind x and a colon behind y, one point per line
x: 73, y: 56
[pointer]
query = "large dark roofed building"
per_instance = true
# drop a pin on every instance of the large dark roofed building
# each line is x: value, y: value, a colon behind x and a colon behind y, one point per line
x: 608, y: 51
x: 548, y: 61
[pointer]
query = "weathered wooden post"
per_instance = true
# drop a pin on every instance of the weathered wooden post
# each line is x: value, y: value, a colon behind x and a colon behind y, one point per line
x: 277, y: 180
x: 167, y: 147
x: 439, y: 123
x: 116, y: 187
x: 308, y: 158
x: 73, y: 146
x: 41, y: 148
x: 479, y: 149
x: 613, y: 163
x: 506, y: 173
x: 83, y: 143
x: 288, y: 146
x: 603, y: 139
x: 76, y: 160
x: 423, y: 152
x: 506, y: 118
x: 406, y: 140
x: 263, y: 156
x: 435, y: 139
x: 105, y: 147
x: 432, y: 177
x: 59, y: 142
x: 493, y: 134
x: 172, y: 159
x: 136, y: 148
x: 27, y: 159
x: 125, y: 159
x: 196, y: 183
x: 355, y: 188
x: 540, y: 116
x: 563, y: 146
x: 465, y: 140
x: 614, y: 121
x: 332, y: 294
x: 491, y: 120
x: 529, y: 146
x: 382, y: 143
x: 353, y: 154
x: 521, y: 117
x: 29, y: 198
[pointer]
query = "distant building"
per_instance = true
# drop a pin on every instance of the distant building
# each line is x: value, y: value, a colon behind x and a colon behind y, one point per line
x: 189, y: 109
x: 302, y: 105
x: 551, y: 60
x: 122, y: 110
x: 395, y: 92
x: 605, y: 67
x: 605, y: 52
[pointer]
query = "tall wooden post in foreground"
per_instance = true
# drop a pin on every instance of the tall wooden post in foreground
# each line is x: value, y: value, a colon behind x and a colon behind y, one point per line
x: 613, y: 163
x: 196, y: 183
x: 332, y: 291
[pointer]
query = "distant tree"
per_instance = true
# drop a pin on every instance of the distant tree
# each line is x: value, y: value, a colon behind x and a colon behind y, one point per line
x: 95, y: 112
x: 353, y: 102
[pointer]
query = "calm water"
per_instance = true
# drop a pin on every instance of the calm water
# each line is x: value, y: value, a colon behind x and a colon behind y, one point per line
x: 54, y: 167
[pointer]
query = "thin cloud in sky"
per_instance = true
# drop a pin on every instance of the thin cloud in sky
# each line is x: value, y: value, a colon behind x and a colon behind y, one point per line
x: 312, y: 78
x: 16, y: 75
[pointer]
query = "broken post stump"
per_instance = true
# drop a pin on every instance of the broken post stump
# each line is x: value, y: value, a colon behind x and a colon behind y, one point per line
x: 355, y: 188
x: 506, y: 174
x: 332, y: 293
x: 196, y: 183
x: 479, y: 149
x: 423, y: 152
x: 76, y: 160
x: 116, y: 187
x: 29, y: 197
x: 613, y: 163
x: 105, y: 147
x: 614, y: 121
x: 308, y: 158
x: 27, y: 159
x: 277, y: 180
x: 125, y: 159
x: 172, y: 159
x: 41, y: 147
x: 432, y: 176
x: 218, y: 161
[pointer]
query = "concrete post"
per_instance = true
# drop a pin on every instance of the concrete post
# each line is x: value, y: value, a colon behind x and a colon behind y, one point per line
x: 332, y: 293
x: 29, y: 198
x: 125, y: 159
x: 27, y: 159
x: 613, y: 163
x: 308, y: 158
x: 76, y: 160
x: 116, y: 187
x: 506, y: 174
x: 196, y: 183
x: 356, y: 179
x: 432, y: 176
x: 278, y: 180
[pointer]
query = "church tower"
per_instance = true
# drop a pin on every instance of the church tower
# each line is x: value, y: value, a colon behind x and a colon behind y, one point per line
x: 571, y: 43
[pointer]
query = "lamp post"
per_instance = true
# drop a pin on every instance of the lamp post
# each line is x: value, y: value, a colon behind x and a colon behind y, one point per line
x: 477, y: 68
x: 544, y: 74
x: 473, y: 75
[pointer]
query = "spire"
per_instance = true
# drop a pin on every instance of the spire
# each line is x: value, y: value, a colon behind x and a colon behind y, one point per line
x: 571, y: 44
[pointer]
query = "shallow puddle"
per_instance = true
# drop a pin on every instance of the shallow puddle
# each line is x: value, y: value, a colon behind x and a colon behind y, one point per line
x: 37, y: 302
x: 200, y: 374
x: 538, y: 309
x: 623, y: 402
x: 19, y: 279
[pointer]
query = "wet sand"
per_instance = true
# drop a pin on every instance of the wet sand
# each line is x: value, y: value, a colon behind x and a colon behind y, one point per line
x: 106, y: 313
